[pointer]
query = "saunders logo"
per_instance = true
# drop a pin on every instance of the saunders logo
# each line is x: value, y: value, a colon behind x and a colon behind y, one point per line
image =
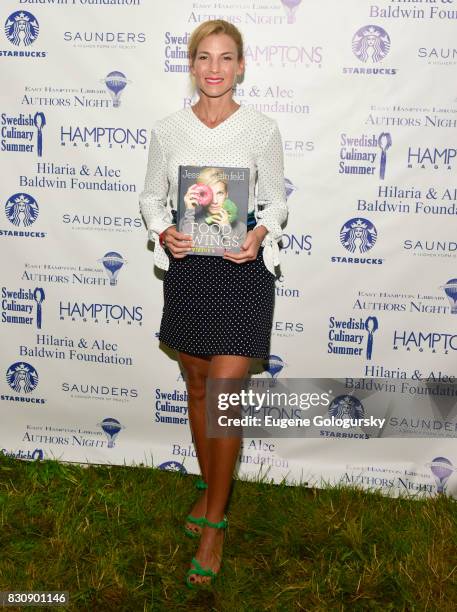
x: 371, y: 44
x: 21, y: 209
x: 358, y: 235
x: 21, y: 28
x: 22, y: 377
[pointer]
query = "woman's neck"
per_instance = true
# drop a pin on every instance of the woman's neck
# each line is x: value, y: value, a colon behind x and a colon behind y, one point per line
x: 214, y: 110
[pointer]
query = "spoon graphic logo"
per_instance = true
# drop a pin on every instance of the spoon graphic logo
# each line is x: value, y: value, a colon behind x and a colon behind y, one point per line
x: 111, y: 427
x: 21, y: 209
x: 358, y: 235
x: 21, y: 28
x: 39, y: 121
x: 441, y: 469
x: 371, y: 325
x: 450, y: 289
x: 291, y: 7
x: 384, y: 143
x: 22, y: 377
x: 112, y: 263
x: 371, y: 44
x: 38, y: 296
x: 115, y: 82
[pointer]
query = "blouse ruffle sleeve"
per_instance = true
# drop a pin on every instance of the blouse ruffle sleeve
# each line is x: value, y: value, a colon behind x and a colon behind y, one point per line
x: 153, y: 198
x: 271, y: 194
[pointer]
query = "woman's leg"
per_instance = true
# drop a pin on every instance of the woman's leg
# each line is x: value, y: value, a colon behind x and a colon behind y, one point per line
x: 222, y: 456
x: 196, y: 371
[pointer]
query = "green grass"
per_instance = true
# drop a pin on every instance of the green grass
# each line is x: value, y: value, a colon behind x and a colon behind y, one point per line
x: 113, y: 538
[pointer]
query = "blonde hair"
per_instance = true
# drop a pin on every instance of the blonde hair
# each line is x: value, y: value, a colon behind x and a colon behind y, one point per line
x: 210, y: 176
x: 214, y: 26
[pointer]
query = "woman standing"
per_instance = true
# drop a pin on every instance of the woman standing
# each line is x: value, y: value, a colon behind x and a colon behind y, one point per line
x: 218, y: 311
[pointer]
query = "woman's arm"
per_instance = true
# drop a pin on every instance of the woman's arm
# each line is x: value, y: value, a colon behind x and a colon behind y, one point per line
x: 153, y: 199
x: 271, y: 194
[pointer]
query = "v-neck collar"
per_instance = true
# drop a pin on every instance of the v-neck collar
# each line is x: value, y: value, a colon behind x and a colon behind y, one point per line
x: 223, y: 123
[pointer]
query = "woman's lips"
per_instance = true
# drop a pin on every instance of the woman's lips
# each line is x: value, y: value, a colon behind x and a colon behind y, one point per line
x: 214, y: 81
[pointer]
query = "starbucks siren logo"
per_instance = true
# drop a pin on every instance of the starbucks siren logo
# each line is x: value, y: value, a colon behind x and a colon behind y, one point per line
x: 21, y: 209
x: 22, y: 377
x: 21, y: 28
x: 358, y: 235
x: 371, y: 44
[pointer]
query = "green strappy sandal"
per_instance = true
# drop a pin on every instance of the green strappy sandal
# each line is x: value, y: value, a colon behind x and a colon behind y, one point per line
x: 198, y: 569
x: 200, y: 521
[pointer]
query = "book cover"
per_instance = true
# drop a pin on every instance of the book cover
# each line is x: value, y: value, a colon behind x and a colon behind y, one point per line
x: 213, y: 208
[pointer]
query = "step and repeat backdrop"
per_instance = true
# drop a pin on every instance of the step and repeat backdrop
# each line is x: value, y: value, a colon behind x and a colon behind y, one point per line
x: 365, y: 96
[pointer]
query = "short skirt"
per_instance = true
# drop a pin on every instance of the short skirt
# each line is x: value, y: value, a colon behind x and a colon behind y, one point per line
x: 213, y: 306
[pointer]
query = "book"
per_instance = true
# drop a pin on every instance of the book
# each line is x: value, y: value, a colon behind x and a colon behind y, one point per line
x: 213, y: 208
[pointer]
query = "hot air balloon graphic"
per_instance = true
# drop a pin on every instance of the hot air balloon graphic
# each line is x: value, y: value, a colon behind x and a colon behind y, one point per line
x: 290, y: 187
x: 441, y: 469
x: 273, y: 365
x: 291, y: 7
x: 111, y: 427
x: 450, y: 289
x: 115, y: 82
x: 112, y: 263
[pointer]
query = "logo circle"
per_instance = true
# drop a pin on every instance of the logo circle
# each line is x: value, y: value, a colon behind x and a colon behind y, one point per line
x: 346, y: 407
x: 21, y: 28
x: 358, y: 235
x: 22, y: 377
x: 173, y: 466
x: 371, y: 44
x: 21, y: 209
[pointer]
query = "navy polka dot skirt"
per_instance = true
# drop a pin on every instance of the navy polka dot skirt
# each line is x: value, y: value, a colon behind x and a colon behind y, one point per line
x: 213, y: 306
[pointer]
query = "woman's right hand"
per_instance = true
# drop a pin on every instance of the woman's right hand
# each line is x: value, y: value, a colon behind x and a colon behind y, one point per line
x: 190, y: 199
x: 176, y: 242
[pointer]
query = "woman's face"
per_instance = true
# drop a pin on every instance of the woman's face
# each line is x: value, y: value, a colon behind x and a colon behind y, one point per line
x: 216, y: 65
x: 219, y: 196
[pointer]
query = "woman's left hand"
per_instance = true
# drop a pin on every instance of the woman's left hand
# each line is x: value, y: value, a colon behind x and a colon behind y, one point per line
x: 250, y: 246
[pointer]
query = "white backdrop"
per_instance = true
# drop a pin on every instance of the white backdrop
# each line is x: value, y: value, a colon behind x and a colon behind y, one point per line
x: 365, y: 97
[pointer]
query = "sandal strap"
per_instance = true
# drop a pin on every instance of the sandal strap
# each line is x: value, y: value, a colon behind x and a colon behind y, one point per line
x: 201, y: 484
x: 221, y: 525
x: 201, y: 521
x: 202, y: 571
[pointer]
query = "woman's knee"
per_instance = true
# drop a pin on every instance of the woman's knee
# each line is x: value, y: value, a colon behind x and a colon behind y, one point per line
x: 195, y: 374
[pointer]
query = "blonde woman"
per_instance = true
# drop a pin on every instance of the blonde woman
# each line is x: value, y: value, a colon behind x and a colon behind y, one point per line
x: 218, y: 311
